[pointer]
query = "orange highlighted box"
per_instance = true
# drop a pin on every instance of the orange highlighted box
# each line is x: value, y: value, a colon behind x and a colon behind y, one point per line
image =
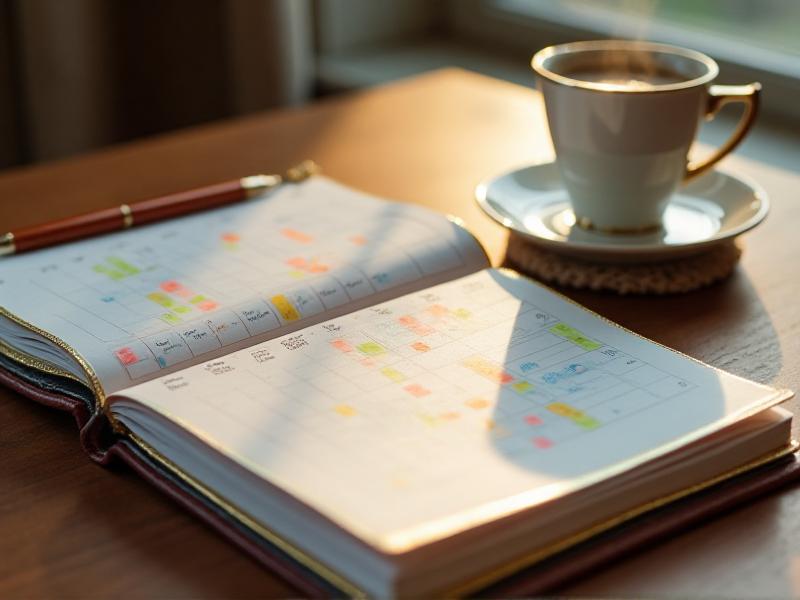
x: 296, y: 236
x: 207, y: 305
x: 342, y: 345
x: 230, y: 238
x: 477, y: 403
x: 488, y: 369
x: 415, y: 325
x: 420, y: 346
x: 417, y: 390
x: 170, y: 286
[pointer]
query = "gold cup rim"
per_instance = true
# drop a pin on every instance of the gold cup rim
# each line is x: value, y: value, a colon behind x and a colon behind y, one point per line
x: 539, y: 60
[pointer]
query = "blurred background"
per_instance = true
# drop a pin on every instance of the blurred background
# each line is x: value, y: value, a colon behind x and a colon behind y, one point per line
x: 76, y: 75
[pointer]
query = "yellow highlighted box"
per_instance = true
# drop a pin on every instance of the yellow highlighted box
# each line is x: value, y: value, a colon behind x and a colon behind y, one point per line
x: 285, y: 308
x: 393, y: 374
x: 371, y: 348
x: 345, y: 410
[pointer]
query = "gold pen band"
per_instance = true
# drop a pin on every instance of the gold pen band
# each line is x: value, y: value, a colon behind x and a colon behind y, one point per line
x: 127, y: 216
x: 7, y: 246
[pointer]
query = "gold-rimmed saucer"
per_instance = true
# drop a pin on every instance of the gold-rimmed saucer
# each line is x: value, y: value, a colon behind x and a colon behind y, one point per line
x: 710, y: 210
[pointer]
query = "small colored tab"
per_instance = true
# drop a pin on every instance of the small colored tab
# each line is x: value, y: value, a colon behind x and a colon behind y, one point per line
x: 161, y: 299
x: 207, y: 305
x: 371, y: 348
x: 342, y: 345
x: 125, y: 267
x: 296, y: 236
x: 543, y: 443
x: 170, y: 286
x: 573, y: 335
x: 437, y: 310
x: 345, y: 410
x: 586, y: 422
x: 477, y: 403
x: 533, y: 420
x: 171, y: 318
x: 564, y: 410
x: 126, y: 356
x: 420, y: 347
x: 182, y: 310
x: 417, y: 390
x: 230, y: 237
x: 197, y: 299
x: 487, y: 369
x: 298, y: 262
x: 393, y: 374
x: 285, y: 308
x: 415, y: 325
x: 522, y: 386
x: 462, y: 313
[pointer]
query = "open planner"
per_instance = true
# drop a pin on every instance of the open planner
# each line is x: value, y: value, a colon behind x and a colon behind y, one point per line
x: 342, y: 386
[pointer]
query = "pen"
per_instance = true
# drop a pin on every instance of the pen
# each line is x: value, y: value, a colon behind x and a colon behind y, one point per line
x: 125, y: 216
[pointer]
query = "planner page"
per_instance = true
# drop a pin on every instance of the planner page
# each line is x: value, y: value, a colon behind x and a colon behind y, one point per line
x: 449, y: 407
x: 151, y: 300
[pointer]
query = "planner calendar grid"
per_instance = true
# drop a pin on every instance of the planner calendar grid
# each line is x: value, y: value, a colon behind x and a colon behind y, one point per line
x: 155, y: 309
x: 432, y: 370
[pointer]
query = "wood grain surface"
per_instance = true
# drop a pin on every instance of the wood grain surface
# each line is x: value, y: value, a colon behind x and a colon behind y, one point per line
x: 69, y: 528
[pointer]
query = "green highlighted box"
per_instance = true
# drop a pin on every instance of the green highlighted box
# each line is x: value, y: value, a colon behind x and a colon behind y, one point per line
x: 573, y: 335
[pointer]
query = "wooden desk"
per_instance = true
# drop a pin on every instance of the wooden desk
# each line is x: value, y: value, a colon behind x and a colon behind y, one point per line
x: 69, y: 528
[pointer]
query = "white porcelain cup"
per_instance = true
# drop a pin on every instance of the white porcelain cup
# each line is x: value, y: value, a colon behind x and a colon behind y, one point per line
x: 622, y: 116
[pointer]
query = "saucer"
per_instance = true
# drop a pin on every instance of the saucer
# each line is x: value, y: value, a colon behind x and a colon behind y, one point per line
x: 712, y: 209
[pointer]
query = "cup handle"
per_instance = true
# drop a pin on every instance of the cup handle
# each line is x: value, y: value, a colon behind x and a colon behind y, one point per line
x: 719, y: 96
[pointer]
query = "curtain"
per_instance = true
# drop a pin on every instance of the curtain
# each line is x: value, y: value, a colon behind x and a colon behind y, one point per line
x: 80, y: 74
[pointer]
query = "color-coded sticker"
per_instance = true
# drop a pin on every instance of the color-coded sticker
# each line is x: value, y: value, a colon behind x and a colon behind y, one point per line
x: 462, y: 313
x: 573, y: 335
x: 109, y: 272
x: 542, y: 442
x: 170, y: 286
x: 122, y: 265
x: 522, y: 386
x: 415, y: 325
x: 532, y: 420
x: 296, y: 236
x: 345, y: 410
x: 207, y: 305
x: 477, y: 403
x: 298, y: 262
x: 393, y: 374
x: 285, y: 308
x: 488, y: 369
x: 341, y: 345
x: 230, y: 237
x: 371, y: 348
x: 449, y: 416
x: 126, y: 356
x: 417, y: 390
x: 420, y: 346
x: 161, y: 299
x: 182, y: 310
x: 171, y: 318
x: 197, y: 299
x: 437, y: 310
x: 564, y: 410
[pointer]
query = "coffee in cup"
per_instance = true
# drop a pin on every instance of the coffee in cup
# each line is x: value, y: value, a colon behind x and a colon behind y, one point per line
x: 622, y: 117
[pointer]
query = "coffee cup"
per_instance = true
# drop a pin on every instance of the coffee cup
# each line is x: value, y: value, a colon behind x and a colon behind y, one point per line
x: 623, y: 116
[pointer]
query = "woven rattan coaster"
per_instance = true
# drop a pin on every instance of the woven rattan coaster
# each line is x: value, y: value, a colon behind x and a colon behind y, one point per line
x: 672, y: 276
